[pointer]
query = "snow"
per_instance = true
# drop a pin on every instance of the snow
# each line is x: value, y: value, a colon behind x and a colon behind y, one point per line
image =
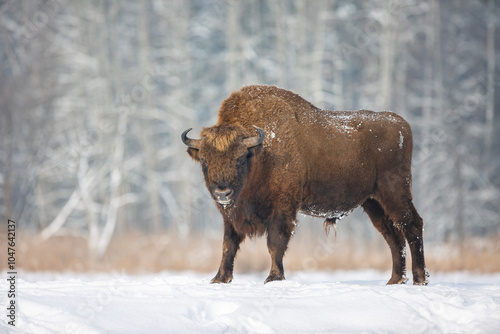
x: 185, y: 302
x: 347, y: 122
x: 321, y: 213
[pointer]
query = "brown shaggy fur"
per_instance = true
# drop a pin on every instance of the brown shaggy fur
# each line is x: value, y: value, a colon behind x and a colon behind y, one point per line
x: 222, y: 138
x: 322, y: 163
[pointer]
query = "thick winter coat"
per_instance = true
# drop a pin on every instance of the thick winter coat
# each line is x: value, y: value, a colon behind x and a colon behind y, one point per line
x: 273, y: 154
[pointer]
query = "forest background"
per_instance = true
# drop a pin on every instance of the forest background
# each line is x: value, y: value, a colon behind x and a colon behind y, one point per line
x: 95, y: 94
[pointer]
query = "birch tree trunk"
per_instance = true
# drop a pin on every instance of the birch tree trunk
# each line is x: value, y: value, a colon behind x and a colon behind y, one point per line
x: 427, y: 83
x: 62, y: 216
x: 389, y: 27
x: 280, y: 26
x: 301, y: 71
x: 146, y: 135
x: 233, y: 53
x: 438, y: 101
x: 116, y: 143
x: 491, y: 64
x: 319, y: 53
x: 116, y: 178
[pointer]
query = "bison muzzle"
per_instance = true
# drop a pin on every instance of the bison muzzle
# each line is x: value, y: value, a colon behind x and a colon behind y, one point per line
x: 272, y: 154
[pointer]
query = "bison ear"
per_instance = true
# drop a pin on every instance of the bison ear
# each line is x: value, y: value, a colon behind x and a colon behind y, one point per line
x: 193, y: 153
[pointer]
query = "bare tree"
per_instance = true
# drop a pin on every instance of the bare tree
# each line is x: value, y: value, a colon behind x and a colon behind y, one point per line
x: 94, y: 96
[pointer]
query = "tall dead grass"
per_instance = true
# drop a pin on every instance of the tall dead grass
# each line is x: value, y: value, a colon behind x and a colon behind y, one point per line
x: 136, y: 253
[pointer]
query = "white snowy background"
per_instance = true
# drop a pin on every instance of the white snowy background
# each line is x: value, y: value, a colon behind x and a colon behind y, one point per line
x: 307, y: 302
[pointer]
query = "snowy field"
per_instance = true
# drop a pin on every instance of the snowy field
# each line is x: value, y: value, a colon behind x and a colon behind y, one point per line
x: 307, y: 302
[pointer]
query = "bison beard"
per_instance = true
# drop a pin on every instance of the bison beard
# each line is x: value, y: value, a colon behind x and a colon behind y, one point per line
x: 273, y: 154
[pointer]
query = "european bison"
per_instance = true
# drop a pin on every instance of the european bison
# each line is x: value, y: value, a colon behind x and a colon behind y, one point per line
x: 273, y: 154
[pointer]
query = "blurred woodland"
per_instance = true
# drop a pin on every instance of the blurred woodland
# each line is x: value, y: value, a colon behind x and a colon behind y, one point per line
x: 95, y: 94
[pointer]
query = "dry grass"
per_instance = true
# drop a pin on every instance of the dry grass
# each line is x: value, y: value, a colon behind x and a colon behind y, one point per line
x: 136, y: 253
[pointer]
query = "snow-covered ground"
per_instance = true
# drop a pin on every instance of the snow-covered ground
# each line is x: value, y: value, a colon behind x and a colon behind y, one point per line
x: 307, y: 302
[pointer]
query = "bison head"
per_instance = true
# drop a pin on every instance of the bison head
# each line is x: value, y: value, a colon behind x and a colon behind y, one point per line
x: 224, y: 152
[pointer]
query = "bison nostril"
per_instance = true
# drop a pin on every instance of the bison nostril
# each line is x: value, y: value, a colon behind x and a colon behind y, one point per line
x: 223, y: 194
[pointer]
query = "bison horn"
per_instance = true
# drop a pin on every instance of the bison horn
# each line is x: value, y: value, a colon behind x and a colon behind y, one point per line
x: 193, y: 143
x: 254, y: 141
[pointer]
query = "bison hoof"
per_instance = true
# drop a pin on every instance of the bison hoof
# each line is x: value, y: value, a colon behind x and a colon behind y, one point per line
x: 274, y: 277
x: 422, y: 281
x: 218, y: 279
x: 398, y: 280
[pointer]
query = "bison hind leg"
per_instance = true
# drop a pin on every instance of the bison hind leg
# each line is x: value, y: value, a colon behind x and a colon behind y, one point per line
x: 393, y: 236
x: 408, y: 224
x: 413, y: 231
x: 330, y: 223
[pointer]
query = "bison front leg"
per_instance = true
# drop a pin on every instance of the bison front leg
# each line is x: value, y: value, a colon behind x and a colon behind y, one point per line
x: 278, y: 236
x: 230, y: 247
